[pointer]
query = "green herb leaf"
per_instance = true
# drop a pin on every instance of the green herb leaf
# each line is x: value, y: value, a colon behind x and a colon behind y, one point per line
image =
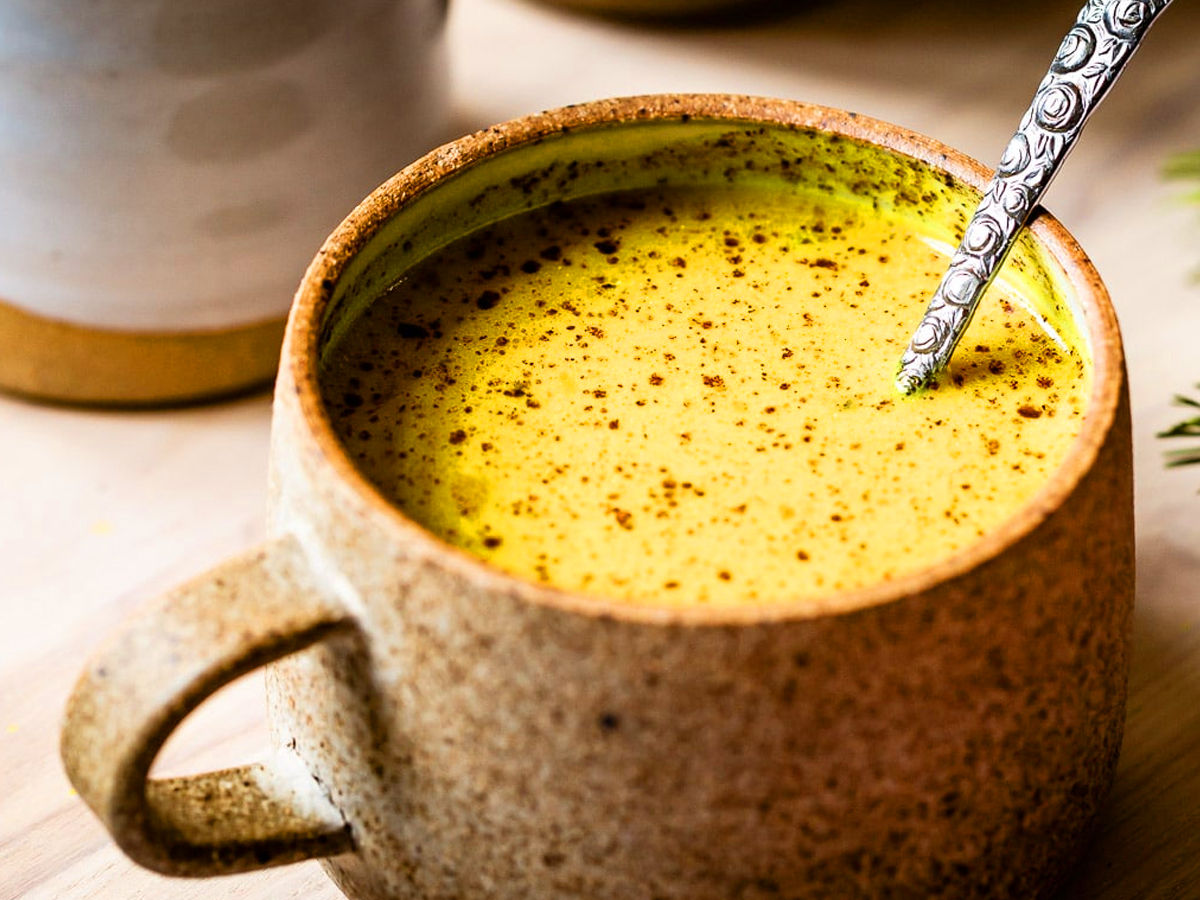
x: 1190, y: 428
x: 1183, y: 165
x: 1186, y: 167
x: 1182, y: 457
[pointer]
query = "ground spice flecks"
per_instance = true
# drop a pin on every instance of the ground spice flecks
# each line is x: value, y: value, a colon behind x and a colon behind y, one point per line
x: 684, y: 396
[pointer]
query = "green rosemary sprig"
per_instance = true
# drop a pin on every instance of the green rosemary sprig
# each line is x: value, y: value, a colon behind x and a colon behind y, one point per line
x: 1190, y: 428
x: 1186, y: 167
x: 1183, y: 165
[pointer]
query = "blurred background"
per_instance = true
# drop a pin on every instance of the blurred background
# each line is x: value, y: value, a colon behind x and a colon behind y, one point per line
x: 103, y: 509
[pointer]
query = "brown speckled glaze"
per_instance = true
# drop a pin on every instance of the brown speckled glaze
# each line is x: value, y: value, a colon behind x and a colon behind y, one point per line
x: 949, y: 734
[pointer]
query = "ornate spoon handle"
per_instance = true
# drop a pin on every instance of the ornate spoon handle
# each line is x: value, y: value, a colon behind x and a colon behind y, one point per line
x: 1092, y: 55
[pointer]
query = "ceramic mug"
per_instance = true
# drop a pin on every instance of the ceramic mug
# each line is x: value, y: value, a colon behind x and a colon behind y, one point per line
x: 443, y: 729
x: 167, y: 168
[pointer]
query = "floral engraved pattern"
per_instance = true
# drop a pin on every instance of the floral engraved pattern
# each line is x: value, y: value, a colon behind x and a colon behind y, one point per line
x: 1016, y: 156
x: 1013, y: 197
x: 930, y: 334
x: 1076, y: 49
x: 1058, y: 107
x: 961, y: 287
x: 984, y: 236
x: 1127, y: 19
x: 1091, y: 56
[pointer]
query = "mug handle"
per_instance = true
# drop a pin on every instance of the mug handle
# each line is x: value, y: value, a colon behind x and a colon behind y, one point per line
x: 162, y: 663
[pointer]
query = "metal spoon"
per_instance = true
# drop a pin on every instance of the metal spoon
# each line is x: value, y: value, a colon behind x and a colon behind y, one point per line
x: 1091, y: 57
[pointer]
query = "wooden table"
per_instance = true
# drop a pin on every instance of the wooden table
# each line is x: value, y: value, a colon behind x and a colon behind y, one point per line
x: 104, y: 510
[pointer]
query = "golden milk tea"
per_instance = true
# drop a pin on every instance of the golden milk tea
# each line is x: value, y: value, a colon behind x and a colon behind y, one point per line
x: 683, y: 395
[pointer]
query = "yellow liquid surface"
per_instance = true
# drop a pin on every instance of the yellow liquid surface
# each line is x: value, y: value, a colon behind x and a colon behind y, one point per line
x: 684, y: 396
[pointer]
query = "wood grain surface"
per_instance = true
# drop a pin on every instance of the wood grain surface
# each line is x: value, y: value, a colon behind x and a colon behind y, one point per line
x: 104, y: 510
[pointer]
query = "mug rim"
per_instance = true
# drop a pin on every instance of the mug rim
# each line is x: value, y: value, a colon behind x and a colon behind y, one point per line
x: 312, y: 298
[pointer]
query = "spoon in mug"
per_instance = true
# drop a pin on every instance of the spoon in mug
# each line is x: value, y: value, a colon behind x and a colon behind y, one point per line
x: 1091, y: 57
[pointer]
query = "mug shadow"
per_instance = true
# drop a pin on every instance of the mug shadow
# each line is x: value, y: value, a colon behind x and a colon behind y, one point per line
x: 732, y: 15
x: 938, y: 60
x: 943, y: 46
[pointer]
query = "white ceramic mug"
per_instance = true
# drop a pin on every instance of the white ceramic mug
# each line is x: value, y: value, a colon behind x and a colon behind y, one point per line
x: 167, y: 168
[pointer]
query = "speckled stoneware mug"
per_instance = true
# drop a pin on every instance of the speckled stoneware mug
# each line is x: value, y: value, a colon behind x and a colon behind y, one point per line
x: 445, y: 730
